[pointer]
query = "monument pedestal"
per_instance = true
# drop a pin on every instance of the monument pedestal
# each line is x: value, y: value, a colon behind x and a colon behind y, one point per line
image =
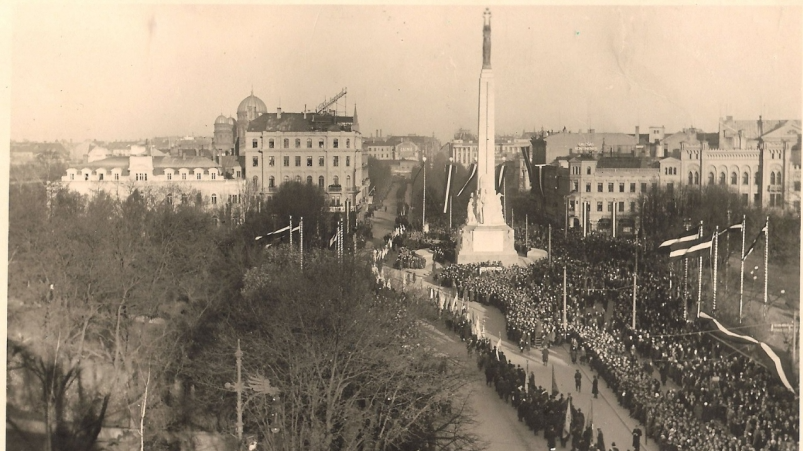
x: 487, y: 243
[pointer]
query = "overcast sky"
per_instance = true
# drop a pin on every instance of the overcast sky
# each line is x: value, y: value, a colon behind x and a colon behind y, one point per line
x: 137, y: 71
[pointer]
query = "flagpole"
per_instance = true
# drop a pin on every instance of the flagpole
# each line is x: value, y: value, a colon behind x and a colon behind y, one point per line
x: 451, y: 201
x: 564, y: 299
x: 526, y: 233
x: 727, y: 251
x: 766, y: 255
x: 700, y: 275
x: 741, y: 274
x: 291, y: 233
x: 716, y: 246
x: 301, y: 240
x: 613, y: 219
x: 504, y: 193
x: 687, y: 223
x: 633, y: 322
x: 549, y: 252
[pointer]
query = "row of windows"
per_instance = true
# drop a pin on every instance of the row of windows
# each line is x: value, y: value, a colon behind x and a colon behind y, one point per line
x: 600, y: 186
x: 233, y: 198
x: 100, y: 176
x: 169, y: 175
x: 620, y: 206
x: 286, y: 143
x: 297, y: 161
x: 321, y: 181
x: 775, y: 178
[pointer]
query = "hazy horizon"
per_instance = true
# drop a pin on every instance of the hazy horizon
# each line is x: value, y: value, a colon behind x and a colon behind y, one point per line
x: 119, y: 72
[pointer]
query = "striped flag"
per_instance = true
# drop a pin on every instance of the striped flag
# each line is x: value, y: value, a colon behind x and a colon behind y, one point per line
x: 689, y: 249
x: 752, y: 246
x: 684, y: 236
x: 567, y: 422
x: 500, y: 177
x: 333, y: 240
x: 734, y: 228
x: 525, y: 151
x: 283, y: 229
x: 447, y: 193
x: 471, y: 175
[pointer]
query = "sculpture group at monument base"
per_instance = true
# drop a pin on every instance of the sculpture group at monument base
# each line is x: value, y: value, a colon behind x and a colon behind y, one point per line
x: 487, y: 243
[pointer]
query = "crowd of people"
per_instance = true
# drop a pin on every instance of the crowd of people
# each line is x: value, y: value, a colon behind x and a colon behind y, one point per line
x: 724, y: 401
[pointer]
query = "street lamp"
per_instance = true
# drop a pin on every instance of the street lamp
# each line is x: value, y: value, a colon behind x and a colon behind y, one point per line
x: 424, y: 227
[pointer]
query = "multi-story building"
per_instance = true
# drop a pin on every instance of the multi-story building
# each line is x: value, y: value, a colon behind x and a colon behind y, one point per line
x: 548, y: 147
x: 463, y: 149
x: 380, y: 148
x: 161, y: 178
x: 319, y: 149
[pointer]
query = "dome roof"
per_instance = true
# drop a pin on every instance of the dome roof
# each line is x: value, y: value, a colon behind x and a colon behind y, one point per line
x: 221, y: 120
x: 230, y: 121
x: 252, y: 102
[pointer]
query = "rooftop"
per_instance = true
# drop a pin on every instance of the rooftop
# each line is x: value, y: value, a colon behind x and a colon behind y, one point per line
x: 296, y: 122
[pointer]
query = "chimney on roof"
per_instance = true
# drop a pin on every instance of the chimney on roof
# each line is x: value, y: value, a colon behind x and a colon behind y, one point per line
x: 305, y: 111
x: 760, y: 126
x: 279, y: 113
x: 637, y: 133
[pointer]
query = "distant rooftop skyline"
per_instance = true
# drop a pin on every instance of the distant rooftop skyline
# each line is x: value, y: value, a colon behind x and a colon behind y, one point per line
x: 121, y: 72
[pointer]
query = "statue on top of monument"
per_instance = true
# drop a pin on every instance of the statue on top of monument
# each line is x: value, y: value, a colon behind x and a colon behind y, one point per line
x: 486, y: 40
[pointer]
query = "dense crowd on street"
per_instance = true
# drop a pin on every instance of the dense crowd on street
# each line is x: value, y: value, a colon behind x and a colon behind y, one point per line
x: 724, y: 401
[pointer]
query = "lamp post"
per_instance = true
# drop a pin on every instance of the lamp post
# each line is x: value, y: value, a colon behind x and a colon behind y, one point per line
x: 262, y: 179
x: 424, y: 206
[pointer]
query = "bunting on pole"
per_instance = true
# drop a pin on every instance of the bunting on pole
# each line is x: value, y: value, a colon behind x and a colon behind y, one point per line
x: 471, y: 175
x: 283, y: 229
x: 540, y: 177
x: 447, y: 193
x: 525, y: 151
x: 752, y: 246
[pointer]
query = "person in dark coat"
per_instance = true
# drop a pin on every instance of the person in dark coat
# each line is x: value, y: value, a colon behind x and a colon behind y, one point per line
x: 550, y: 438
x: 600, y: 440
x: 578, y: 378
x: 595, y: 386
x: 545, y: 355
x: 636, y: 439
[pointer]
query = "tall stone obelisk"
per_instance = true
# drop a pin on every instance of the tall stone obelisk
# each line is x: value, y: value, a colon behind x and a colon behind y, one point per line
x: 486, y: 237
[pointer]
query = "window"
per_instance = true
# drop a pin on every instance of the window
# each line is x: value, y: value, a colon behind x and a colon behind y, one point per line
x: 183, y: 198
x: 271, y: 161
x: 797, y: 186
x: 599, y: 206
x: 654, y: 186
x: 599, y: 187
x: 255, y: 161
x: 575, y: 170
x: 632, y: 207
x: 309, y: 162
x: 632, y: 187
x: 797, y: 206
x: 588, y: 170
x: 116, y: 177
x: 271, y: 182
x: 776, y: 200
x: 348, y: 143
x: 757, y: 178
x: 335, y: 162
x: 286, y: 178
x: 610, y: 187
x: 335, y: 181
x: 169, y: 176
x: 197, y: 176
x: 321, y: 161
x: 734, y: 178
x: 320, y: 143
x: 214, y: 199
x: 309, y: 180
x: 348, y: 161
x: 335, y: 143
x: 309, y: 143
x: 213, y: 175
x: 744, y: 199
x: 298, y: 160
x: 745, y: 178
x: 621, y: 187
x: 721, y: 178
x: 610, y: 206
x: 100, y: 176
x: 696, y: 178
x: 643, y: 187
x: 777, y: 178
x: 691, y: 177
x: 622, y: 206
x: 588, y: 187
x: 710, y: 178
x: 72, y: 176
x: 756, y: 199
x: 772, y: 178
x: 255, y: 144
x: 183, y: 176
x: 348, y: 181
x: 270, y: 144
x: 286, y: 143
x: 576, y: 186
x: 286, y: 161
x: 237, y: 174
x: 255, y: 181
x: 298, y: 179
x: 298, y: 143
x: 320, y: 181
x: 169, y: 198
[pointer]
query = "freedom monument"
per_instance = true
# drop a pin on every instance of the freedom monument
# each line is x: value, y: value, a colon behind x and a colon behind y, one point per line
x: 486, y: 236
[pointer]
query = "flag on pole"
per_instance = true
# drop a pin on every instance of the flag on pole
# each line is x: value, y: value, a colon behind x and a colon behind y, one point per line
x: 685, y: 236
x: 689, y: 249
x: 500, y: 177
x: 525, y: 151
x: 733, y: 228
x: 527, y: 373
x: 567, y: 422
x: 498, y: 345
x: 448, y: 192
x: 540, y: 177
x: 590, y: 417
x: 752, y: 246
x: 554, y: 382
x: 471, y: 175
x: 283, y: 229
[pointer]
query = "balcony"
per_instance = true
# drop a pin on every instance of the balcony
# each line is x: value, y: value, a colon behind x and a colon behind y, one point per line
x: 335, y: 188
x: 774, y: 188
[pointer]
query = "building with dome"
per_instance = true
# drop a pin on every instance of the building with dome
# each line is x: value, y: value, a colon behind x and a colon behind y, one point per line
x: 225, y: 135
x: 249, y: 109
